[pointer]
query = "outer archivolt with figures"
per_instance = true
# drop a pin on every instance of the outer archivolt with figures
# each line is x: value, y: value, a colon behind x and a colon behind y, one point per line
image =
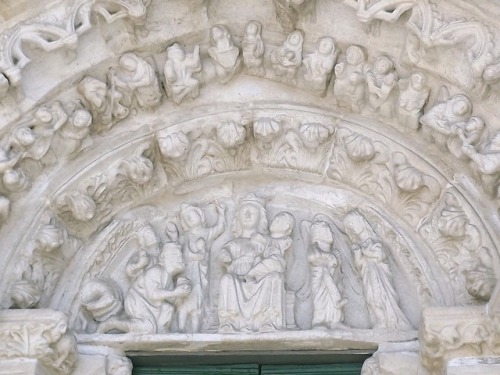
x: 208, y: 176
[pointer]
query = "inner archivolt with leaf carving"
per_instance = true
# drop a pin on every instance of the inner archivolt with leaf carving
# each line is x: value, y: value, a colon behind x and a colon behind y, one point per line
x: 261, y: 175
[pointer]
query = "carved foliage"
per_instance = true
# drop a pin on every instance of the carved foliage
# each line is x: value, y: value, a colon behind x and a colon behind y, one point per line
x: 459, y: 247
x: 200, y: 152
x: 367, y: 165
x: 40, y: 335
x: 461, y: 331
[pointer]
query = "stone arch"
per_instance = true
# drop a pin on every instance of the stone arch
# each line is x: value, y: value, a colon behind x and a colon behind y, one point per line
x: 85, y: 149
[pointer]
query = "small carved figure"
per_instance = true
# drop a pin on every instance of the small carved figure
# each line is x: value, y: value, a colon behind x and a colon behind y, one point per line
x: 319, y: 65
x: 413, y: 96
x: 250, y: 300
x: 179, y: 70
x: 76, y: 130
x: 253, y: 49
x: 224, y: 54
x: 286, y: 59
x: 469, y: 132
x: 442, y: 120
x: 135, y: 77
x: 101, y: 299
x: 150, y: 301
x: 327, y: 299
x: 371, y: 260
x: 105, y: 104
x: 349, y: 88
x: 381, y: 80
x: 487, y: 163
x: 197, y: 239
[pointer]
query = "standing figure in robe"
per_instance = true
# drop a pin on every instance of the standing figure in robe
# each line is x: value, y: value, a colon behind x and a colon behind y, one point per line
x: 349, y: 88
x: 197, y: 240
x: 371, y: 261
x: 319, y: 64
x: 327, y: 299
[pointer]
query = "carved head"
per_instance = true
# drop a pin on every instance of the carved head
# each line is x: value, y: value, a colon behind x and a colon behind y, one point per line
x: 93, y: 90
x: 326, y: 46
x: 384, y: 65
x: 219, y: 33
x: 250, y: 217
x: 253, y: 28
x: 357, y: 227
x: 171, y: 258
x: 355, y: 55
x: 43, y: 115
x: 282, y: 225
x: 417, y: 81
x: 128, y: 62
x: 321, y: 231
x: 137, y: 264
x: 81, y: 118
x: 148, y: 240
x: 295, y: 40
x: 175, y: 52
x: 461, y: 106
x: 191, y: 217
x: 24, y: 136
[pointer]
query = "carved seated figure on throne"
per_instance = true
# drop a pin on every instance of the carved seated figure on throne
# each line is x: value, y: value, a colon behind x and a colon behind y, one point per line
x: 252, y: 292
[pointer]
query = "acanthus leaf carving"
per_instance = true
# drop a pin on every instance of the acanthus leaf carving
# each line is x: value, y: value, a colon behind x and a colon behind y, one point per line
x: 38, y: 334
x: 457, y: 242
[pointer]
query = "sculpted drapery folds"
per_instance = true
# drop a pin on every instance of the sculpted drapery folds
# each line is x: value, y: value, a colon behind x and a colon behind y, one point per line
x: 252, y: 289
x: 216, y: 136
x: 325, y: 268
x: 371, y: 260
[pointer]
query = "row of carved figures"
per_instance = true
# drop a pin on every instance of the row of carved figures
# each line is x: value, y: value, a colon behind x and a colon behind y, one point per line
x: 69, y: 127
x: 171, y: 283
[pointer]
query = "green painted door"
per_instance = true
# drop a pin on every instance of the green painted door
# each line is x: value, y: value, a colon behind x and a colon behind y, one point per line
x: 253, y: 369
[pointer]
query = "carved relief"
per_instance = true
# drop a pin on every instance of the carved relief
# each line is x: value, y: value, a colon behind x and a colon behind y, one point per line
x: 41, y: 334
x: 413, y: 96
x: 456, y: 332
x: 371, y: 260
x: 324, y: 261
x: 287, y: 59
x: 252, y: 291
x: 381, y: 80
x: 366, y: 164
x: 319, y: 65
x: 187, y: 155
x: 253, y: 49
x: 349, y: 88
x: 459, y: 247
x: 179, y: 70
x: 54, y: 35
x: 283, y: 142
x: 40, y: 267
x: 223, y: 52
